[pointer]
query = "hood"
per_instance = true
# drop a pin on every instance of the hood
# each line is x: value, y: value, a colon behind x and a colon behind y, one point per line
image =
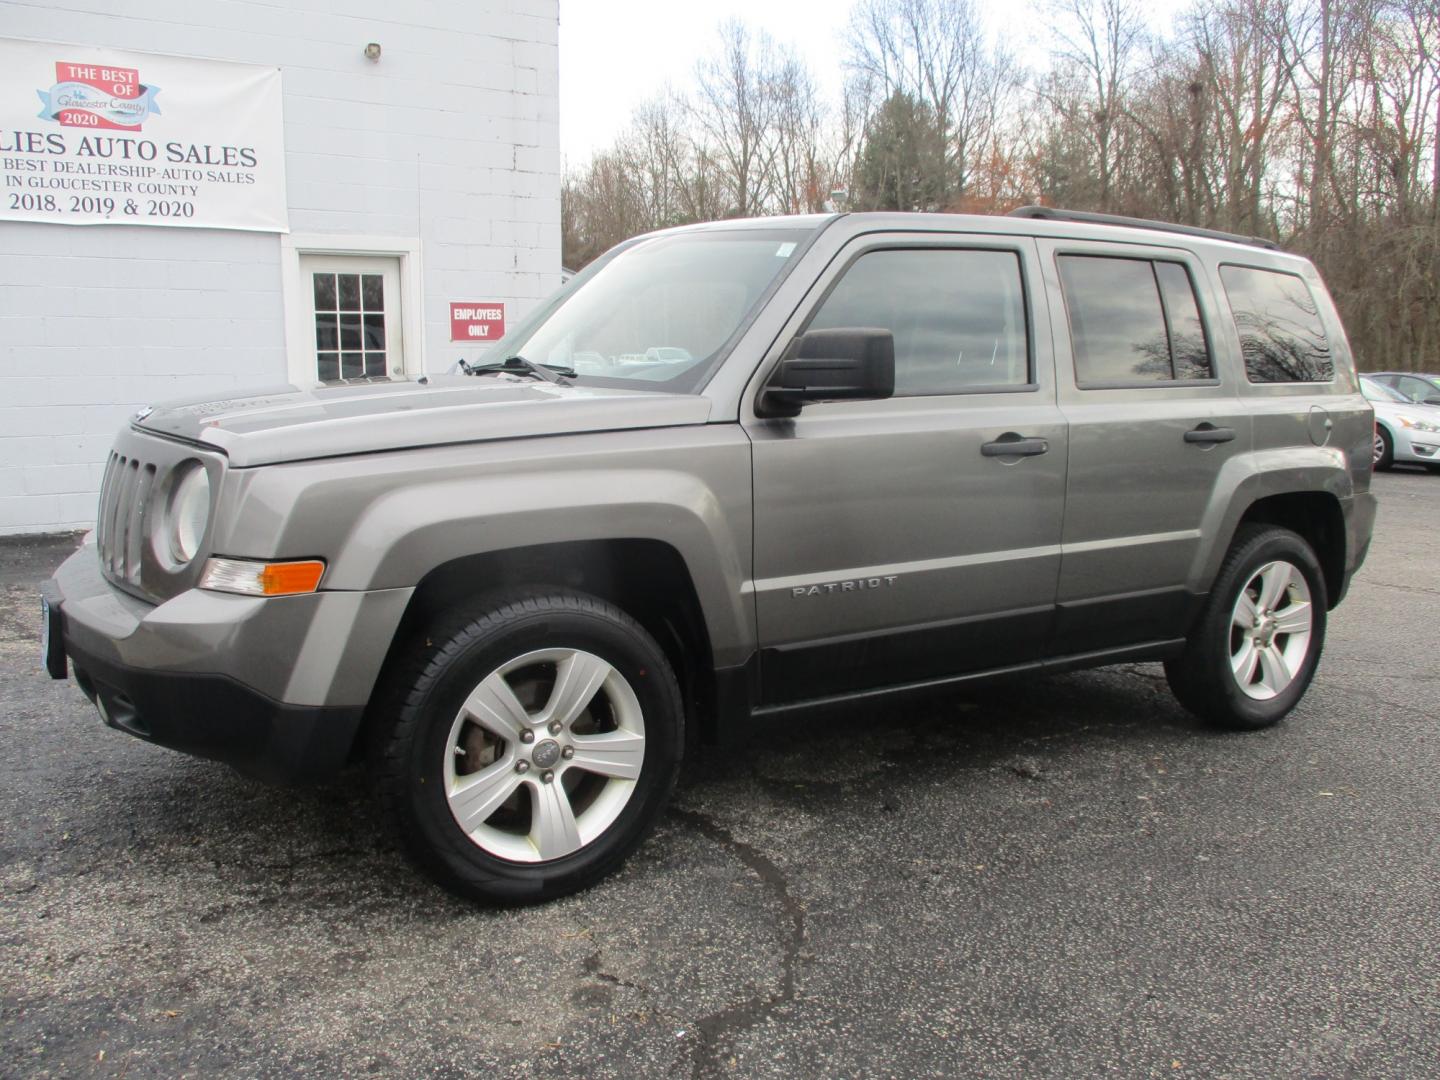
x: 288, y: 424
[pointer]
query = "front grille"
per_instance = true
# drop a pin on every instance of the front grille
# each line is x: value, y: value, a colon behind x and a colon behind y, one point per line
x: 124, y: 507
x: 137, y: 483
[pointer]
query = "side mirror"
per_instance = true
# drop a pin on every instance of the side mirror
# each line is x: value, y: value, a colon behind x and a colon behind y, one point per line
x: 831, y: 365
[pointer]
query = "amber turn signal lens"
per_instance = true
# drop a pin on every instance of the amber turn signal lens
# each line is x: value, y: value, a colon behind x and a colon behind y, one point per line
x: 281, y: 579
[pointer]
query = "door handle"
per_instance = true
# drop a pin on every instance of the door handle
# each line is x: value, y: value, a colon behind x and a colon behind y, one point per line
x: 1208, y: 433
x: 1012, y: 445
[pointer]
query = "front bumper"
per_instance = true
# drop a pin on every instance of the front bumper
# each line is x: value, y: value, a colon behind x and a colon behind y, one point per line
x: 1418, y: 446
x: 275, y: 687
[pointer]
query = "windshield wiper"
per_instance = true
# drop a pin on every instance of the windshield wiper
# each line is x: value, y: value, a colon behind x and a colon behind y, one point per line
x: 518, y: 365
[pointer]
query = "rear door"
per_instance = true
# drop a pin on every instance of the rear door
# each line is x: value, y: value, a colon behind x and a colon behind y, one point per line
x: 895, y: 542
x: 1153, y: 419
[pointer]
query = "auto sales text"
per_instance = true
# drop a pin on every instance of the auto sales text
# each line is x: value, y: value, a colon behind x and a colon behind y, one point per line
x: 126, y: 148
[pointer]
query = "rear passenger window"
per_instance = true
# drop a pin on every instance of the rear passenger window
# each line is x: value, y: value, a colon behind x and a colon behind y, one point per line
x: 1133, y: 321
x: 1281, y: 335
x: 958, y: 316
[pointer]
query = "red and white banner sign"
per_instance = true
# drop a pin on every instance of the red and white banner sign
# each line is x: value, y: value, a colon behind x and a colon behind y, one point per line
x: 124, y: 138
x: 482, y: 321
x: 96, y: 96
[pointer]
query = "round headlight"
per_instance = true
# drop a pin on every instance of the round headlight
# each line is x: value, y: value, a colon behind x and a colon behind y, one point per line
x: 188, y: 514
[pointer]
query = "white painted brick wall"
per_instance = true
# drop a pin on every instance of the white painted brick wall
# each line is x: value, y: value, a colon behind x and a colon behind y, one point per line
x: 451, y: 139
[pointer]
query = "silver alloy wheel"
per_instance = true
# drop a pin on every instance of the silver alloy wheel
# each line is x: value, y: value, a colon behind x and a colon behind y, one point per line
x: 530, y: 780
x: 1379, y: 450
x: 1270, y: 630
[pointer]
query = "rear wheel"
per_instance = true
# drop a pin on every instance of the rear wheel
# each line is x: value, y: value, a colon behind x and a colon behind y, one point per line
x: 534, y: 744
x: 1257, y: 643
x: 1384, y: 449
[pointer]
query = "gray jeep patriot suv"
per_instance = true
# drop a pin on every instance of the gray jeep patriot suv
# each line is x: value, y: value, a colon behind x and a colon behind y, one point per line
x: 731, y: 471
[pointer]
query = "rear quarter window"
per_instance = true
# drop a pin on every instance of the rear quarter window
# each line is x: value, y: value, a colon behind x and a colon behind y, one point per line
x: 1281, y: 333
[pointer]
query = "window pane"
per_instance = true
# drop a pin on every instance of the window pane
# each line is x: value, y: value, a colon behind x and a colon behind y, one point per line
x: 1281, y: 335
x: 373, y: 286
x: 352, y: 365
x: 349, y: 292
x: 1375, y: 391
x: 1117, y: 327
x: 664, y: 310
x: 349, y: 331
x: 374, y: 331
x: 1187, y: 332
x: 328, y: 366
x: 1416, y: 389
x: 958, y: 316
x: 374, y: 364
x: 327, y: 334
x: 324, y: 292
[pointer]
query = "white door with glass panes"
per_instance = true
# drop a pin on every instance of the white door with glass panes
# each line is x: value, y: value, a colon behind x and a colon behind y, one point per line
x: 355, y: 314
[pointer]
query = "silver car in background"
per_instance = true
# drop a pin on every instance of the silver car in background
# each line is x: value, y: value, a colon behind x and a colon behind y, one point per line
x: 1405, y: 430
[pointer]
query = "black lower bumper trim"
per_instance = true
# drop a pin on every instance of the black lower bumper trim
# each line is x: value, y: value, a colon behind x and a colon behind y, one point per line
x: 213, y: 716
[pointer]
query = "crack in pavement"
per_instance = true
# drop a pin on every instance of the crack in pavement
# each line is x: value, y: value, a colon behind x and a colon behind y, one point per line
x: 591, y: 966
x: 717, y: 1028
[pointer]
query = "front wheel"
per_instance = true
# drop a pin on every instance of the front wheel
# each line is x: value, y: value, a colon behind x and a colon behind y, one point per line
x: 534, y: 744
x: 1384, y: 450
x: 1258, y: 641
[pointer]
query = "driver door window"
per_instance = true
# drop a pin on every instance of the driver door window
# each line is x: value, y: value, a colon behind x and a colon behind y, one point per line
x: 958, y: 316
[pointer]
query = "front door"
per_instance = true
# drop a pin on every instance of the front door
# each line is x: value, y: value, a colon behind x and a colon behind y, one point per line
x: 354, y: 304
x: 895, y: 541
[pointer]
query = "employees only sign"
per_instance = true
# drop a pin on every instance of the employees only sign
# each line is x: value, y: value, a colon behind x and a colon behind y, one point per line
x: 481, y: 322
x: 138, y: 139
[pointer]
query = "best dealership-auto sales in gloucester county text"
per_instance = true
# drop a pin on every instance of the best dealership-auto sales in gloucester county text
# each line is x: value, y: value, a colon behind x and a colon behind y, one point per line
x: 127, y: 174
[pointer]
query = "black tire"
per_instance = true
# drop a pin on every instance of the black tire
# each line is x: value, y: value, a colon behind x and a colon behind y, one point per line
x: 413, y: 736
x: 1384, y: 450
x: 1203, y: 679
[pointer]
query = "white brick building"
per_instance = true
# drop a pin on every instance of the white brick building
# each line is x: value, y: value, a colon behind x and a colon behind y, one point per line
x: 430, y: 174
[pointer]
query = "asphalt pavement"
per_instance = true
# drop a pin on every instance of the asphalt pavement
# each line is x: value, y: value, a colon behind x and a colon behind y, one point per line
x: 1057, y: 877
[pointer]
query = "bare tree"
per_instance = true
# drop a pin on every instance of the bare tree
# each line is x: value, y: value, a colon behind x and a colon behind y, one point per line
x: 657, y: 152
x: 801, y: 176
x: 1101, y: 40
x: 935, y: 53
x: 1245, y: 71
x: 734, y: 109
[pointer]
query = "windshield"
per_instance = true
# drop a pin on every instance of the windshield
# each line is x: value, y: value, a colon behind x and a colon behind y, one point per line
x: 1375, y: 391
x: 663, y: 311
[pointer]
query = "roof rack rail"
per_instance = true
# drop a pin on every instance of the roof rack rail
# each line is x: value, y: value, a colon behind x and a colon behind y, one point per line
x: 1050, y: 213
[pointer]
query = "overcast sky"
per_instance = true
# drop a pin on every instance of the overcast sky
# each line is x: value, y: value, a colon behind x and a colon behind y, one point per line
x: 616, y: 54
